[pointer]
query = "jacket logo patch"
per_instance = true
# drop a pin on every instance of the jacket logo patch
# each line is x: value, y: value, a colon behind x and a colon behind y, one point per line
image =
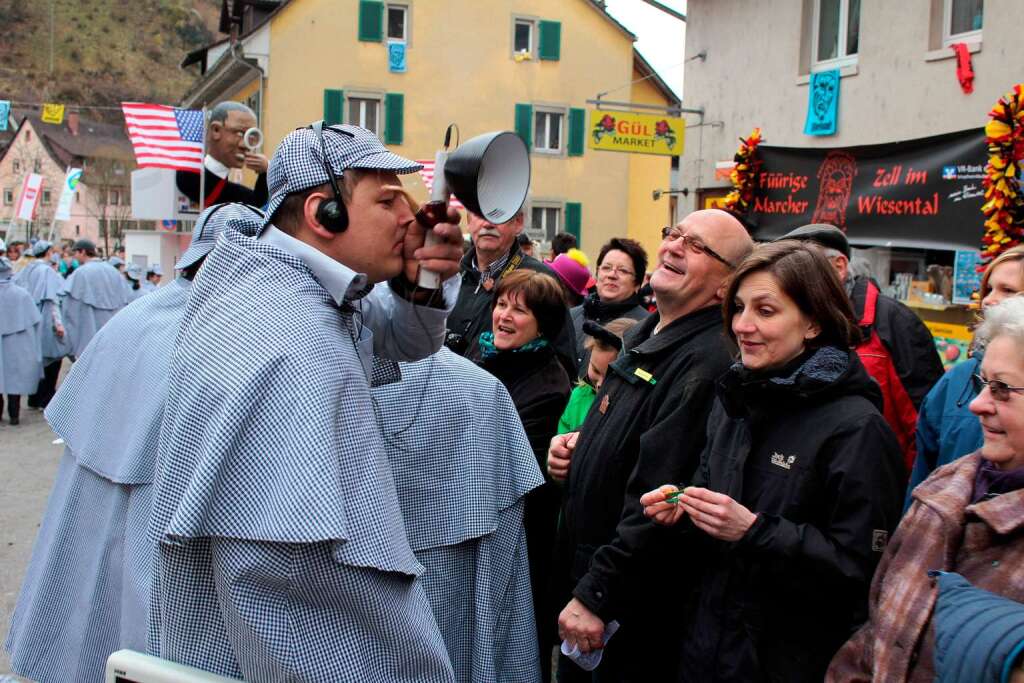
x: 782, y: 461
x: 879, y: 538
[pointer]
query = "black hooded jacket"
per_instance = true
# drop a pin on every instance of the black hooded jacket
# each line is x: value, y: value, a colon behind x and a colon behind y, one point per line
x: 807, y: 450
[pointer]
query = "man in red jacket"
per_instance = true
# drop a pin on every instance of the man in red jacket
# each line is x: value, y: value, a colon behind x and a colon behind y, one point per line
x: 897, y: 349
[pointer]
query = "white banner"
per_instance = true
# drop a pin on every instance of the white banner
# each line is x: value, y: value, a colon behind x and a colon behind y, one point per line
x: 30, y: 191
x: 67, y: 195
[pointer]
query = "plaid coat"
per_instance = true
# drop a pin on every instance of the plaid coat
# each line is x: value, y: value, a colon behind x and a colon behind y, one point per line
x: 984, y: 542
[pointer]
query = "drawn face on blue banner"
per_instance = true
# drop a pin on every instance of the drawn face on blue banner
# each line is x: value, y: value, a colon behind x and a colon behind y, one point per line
x: 824, y: 93
x: 823, y: 103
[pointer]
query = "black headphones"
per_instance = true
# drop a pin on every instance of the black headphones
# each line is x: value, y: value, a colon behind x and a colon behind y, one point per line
x: 331, y: 213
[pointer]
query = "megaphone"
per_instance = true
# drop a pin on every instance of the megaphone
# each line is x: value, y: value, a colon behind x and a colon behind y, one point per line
x: 489, y: 174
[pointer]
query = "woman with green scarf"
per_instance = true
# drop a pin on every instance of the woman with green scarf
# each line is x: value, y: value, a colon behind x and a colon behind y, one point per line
x: 528, y: 312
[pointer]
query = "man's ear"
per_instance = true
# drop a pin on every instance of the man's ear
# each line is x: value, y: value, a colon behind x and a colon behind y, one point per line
x: 215, y: 129
x: 309, y: 211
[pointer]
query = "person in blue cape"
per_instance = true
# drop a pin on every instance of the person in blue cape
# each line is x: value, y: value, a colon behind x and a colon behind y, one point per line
x: 86, y: 590
x: 43, y: 283
x: 133, y: 283
x: 462, y: 461
x: 91, y: 295
x: 153, y: 276
x: 21, y: 363
x: 282, y: 552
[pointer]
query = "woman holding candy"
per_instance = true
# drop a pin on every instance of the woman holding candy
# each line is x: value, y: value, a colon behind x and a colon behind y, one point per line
x: 798, y: 487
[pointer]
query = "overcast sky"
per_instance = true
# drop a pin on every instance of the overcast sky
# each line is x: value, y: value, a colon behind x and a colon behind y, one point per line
x: 660, y: 37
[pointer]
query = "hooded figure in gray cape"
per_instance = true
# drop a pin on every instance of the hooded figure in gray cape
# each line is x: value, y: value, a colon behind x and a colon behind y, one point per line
x: 86, y: 591
x: 463, y: 464
x: 282, y: 553
x: 42, y: 281
x: 21, y: 361
x: 90, y: 296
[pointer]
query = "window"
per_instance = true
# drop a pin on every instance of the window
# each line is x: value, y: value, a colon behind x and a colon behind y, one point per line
x: 46, y: 197
x: 547, y: 131
x: 836, y: 33
x: 365, y: 112
x: 113, y: 197
x: 545, y: 222
x: 522, y: 37
x: 961, y: 21
x: 8, y: 196
x: 398, y: 22
x: 17, y: 166
x: 37, y: 166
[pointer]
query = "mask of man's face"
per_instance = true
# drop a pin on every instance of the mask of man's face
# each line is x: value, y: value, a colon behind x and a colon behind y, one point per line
x: 226, y: 138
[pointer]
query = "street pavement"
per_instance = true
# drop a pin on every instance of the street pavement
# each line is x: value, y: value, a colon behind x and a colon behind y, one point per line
x: 28, y: 464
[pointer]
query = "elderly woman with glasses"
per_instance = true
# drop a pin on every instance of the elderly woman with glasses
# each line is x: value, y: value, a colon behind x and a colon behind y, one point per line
x: 967, y: 517
x: 798, y: 486
x: 621, y: 265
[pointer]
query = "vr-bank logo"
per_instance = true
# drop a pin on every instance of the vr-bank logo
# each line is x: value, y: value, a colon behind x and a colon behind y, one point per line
x: 782, y: 461
x: 949, y: 172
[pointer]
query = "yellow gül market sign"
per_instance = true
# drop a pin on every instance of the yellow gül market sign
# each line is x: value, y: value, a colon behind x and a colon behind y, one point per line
x: 622, y: 131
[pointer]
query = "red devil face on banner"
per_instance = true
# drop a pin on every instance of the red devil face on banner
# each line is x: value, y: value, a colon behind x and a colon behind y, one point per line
x: 836, y: 176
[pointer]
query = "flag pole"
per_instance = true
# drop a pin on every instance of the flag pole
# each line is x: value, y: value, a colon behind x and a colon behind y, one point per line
x: 202, y: 167
x: 53, y: 221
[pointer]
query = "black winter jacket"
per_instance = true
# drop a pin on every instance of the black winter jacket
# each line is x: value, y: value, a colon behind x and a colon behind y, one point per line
x: 594, y: 309
x: 472, y: 312
x: 908, y: 340
x: 656, y: 399
x: 808, y: 451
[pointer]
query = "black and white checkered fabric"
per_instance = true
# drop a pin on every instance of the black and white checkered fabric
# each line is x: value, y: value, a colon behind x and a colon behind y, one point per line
x: 237, y: 216
x: 282, y: 553
x: 298, y: 163
x: 462, y: 464
x: 86, y: 590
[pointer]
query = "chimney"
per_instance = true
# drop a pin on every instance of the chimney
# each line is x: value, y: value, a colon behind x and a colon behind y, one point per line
x: 72, y: 119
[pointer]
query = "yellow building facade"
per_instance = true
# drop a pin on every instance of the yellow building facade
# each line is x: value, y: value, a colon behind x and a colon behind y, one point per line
x: 523, y: 65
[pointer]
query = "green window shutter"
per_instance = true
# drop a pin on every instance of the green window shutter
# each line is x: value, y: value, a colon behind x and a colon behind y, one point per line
x: 576, y: 132
x: 334, y: 105
x: 524, y: 123
x: 394, y: 118
x: 371, y: 20
x: 573, y: 218
x: 550, y: 40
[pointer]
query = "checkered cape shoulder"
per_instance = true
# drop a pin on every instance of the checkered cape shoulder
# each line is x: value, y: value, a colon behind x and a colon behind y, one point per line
x: 109, y: 408
x: 463, y: 464
x: 268, y: 434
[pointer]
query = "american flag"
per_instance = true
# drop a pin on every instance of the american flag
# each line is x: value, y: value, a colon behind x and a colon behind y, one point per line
x: 427, y: 174
x: 165, y: 137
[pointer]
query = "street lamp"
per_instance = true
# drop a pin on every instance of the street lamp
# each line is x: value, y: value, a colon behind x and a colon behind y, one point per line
x: 656, y: 194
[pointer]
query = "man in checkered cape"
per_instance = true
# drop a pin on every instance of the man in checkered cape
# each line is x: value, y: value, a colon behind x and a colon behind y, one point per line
x: 281, y: 548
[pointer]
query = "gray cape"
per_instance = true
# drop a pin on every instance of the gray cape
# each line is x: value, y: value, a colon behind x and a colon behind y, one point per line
x: 21, y: 360
x: 463, y: 463
x: 90, y: 297
x: 274, y: 501
x: 86, y: 591
x: 44, y: 284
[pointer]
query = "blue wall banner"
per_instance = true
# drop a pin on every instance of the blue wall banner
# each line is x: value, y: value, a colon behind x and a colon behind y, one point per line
x: 823, y: 103
x: 396, y: 56
x: 5, y: 113
x: 966, y: 278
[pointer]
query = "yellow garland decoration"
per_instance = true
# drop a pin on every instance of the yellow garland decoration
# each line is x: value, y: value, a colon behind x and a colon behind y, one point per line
x: 1004, y: 205
x: 744, y: 175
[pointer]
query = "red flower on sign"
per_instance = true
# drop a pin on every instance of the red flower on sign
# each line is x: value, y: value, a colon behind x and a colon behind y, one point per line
x: 661, y: 127
x: 606, y: 126
x: 608, y: 123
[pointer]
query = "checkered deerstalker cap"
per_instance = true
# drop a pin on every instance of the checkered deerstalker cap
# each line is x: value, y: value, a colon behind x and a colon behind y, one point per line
x: 298, y: 162
x: 211, y: 223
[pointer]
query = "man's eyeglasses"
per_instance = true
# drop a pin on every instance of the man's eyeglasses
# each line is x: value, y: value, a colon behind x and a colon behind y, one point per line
x: 694, y: 245
x: 608, y: 269
x: 1000, y: 390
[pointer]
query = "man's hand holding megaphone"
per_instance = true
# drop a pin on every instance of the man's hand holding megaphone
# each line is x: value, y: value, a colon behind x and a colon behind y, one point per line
x: 442, y: 255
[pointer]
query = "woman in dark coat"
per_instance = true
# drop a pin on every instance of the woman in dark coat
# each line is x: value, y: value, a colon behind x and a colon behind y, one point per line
x: 621, y: 266
x: 528, y: 312
x: 798, y: 488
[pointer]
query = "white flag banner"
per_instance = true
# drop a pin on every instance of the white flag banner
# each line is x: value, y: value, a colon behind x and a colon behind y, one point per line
x: 67, y: 195
x: 30, y: 191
